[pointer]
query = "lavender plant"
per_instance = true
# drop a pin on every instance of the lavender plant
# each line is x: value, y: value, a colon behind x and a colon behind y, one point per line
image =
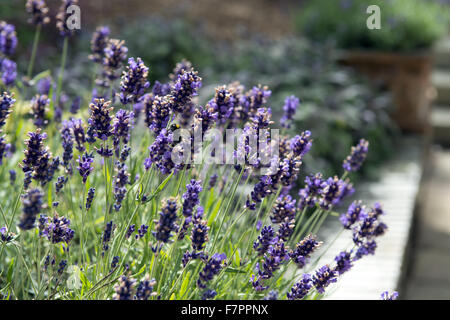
x: 138, y: 223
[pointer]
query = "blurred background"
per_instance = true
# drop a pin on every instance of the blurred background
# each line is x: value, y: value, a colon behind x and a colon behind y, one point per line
x: 389, y: 85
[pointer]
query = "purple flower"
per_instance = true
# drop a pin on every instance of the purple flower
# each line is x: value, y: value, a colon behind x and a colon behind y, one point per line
x: 4, y: 147
x: 331, y: 193
x: 160, y: 153
x: 134, y: 81
x: 386, y: 296
x: 290, y: 107
x: 38, y: 11
x: 204, y: 119
x: 121, y: 179
x: 124, y: 153
x: 357, y: 156
x: 130, y: 231
x: 78, y: 133
x: 183, y: 65
x: 222, y: 104
x: 286, y: 229
x: 43, y: 86
x: 8, y: 38
x: 284, y: 208
x: 39, y: 110
x: 6, y: 104
x: 62, y: 17
x: 67, y: 142
x: 209, y: 294
x: 323, y: 278
x: 90, y: 198
x: 60, y: 182
x: 123, y: 123
x: 38, y: 160
x: 142, y: 231
x: 256, y: 98
x: 157, y: 112
x: 262, y: 118
x: 161, y: 89
x: 125, y: 289
x: 167, y: 221
x: 5, y: 236
x: 85, y: 165
x: 301, y: 144
x: 9, y: 72
x: 32, y: 205
x: 98, y: 43
x: 354, y: 213
x: 145, y: 288
x: 303, y: 250
x: 34, y: 151
x: 62, y: 266
x: 265, y: 240
x: 57, y: 229
x: 300, y: 289
x: 273, y: 258
x: 107, y: 234
x: 213, y: 266
x: 272, y: 295
x: 313, y: 189
x: 184, y: 88
x: 114, y: 54
x: 364, y: 249
x: 75, y: 106
x: 289, y: 169
x: 190, y: 197
x: 104, y: 151
x: 199, y: 235
x: 263, y: 188
x: 100, y: 119
x: 343, y: 262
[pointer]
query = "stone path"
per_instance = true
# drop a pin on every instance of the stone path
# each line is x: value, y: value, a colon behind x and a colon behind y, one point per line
x: 396, y: 190
x: 429, y: 272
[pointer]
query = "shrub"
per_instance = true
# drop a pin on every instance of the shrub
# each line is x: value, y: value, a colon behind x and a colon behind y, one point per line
x: 406, y: 25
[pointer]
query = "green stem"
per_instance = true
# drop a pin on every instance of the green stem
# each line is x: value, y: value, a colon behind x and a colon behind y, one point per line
x: 61, y: 71
x: 33, y: 52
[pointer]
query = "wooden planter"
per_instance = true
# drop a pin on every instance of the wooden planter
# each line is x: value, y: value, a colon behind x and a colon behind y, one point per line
x: 408, y: 79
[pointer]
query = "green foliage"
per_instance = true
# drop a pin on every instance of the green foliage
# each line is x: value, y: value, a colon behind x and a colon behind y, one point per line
x: 406, y: 25
x: 161, y: 44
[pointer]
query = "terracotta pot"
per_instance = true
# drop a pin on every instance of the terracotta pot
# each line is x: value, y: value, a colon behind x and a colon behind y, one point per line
x: 408, y: 79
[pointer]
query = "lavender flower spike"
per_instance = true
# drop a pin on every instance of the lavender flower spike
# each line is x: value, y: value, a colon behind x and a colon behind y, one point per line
x: 134, y: 81
x: 300, y: 289
x: 38, y: 11
x: 167, y: 221
x: 85, y: 165
x: 357, y: 156
x: 8, y: 38
x: 323, y: 278
x: 212, y: 268
x: 98, y: 43
x: 33, y: 204
x: 9, y: 70
x: 6, y: 103
x: 290, y: 107
x: 100, y: 119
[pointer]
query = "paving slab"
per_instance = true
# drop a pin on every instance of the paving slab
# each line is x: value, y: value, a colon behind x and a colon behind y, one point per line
x: 429, y: 272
